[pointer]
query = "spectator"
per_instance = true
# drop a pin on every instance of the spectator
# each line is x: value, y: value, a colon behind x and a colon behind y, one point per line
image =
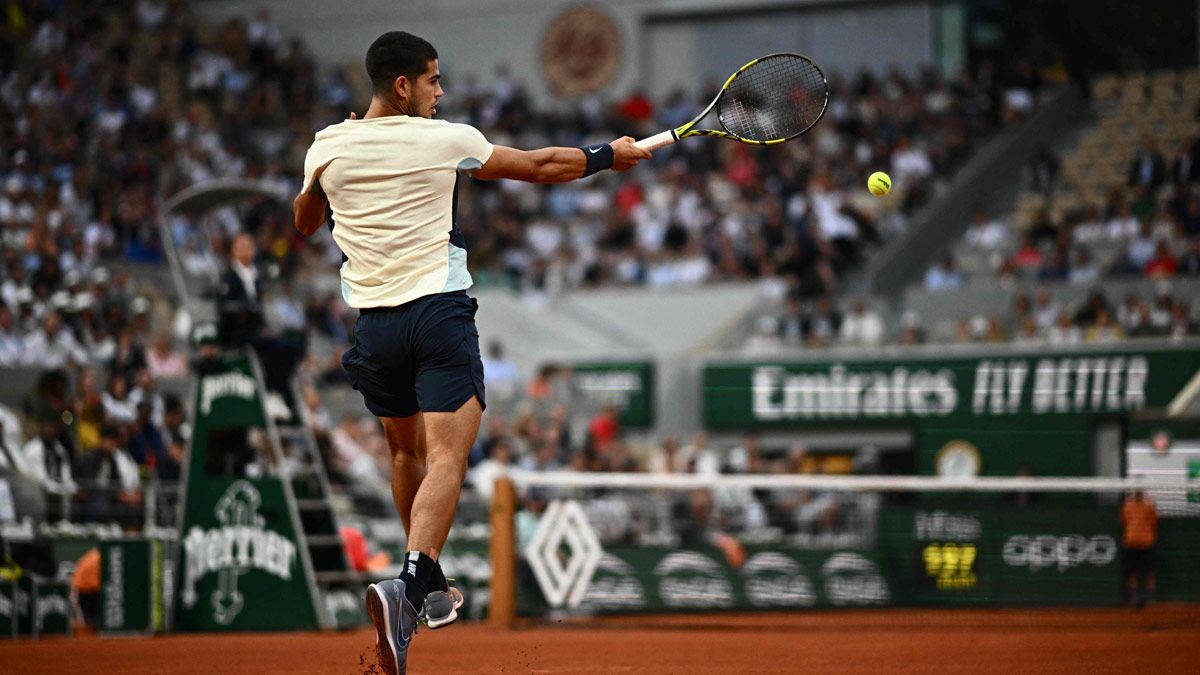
x: 1147, y: 169
x: 943, y: 277
x: 1189, y: 221
x: 1139, y: 521
x: 119, y: 408
x: 911, y: 332
x: 1122, y: 225
x: 1162, y: 265
x: 985, y: 234
x: 53, y: 346
x: 1104, y: 331
x: 111, y: 489
x: 11, y: 345
x: 1028, y: 333
x: 910, y: 164
x: 699, y: 458
x: 765, y: 338
x: 177, y: 435
x: 1029, y: 255
x: 1046, y: 312
x: 1181, y: 323
x: 12, y: 457
x: 146, y: 444
x: 604, y: 428
x: 666, y: 457
x: 483, y: 475
x: 862, y: 327
x: 48, y: 460
x: 164, y: 361
x: 1085, y: 272
x: 823, y: 323
x: 1057, y: 268
x: 501, y: 377
x: 242, y: 320
x: 1090, y: 228
x: 1185, y: 166
x: 1064, y: 332
x: 698, y: 521
x: 1189, y: 262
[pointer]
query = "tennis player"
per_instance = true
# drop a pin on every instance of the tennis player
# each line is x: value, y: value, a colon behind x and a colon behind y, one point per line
x: 391, y: 180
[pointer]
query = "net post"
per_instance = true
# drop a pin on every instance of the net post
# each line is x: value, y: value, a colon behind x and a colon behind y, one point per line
x: 502, y: 612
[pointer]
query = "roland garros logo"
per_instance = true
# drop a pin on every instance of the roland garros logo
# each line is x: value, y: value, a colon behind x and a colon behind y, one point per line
x: 239, y: 545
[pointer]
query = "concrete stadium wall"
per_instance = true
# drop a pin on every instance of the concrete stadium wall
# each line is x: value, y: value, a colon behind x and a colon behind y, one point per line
x: 665, y: 43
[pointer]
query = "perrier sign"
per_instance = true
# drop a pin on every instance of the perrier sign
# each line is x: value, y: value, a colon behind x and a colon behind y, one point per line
x: 240, y: 566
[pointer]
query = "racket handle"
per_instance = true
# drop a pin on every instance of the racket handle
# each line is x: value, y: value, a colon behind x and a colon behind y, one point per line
x: 658, y: 141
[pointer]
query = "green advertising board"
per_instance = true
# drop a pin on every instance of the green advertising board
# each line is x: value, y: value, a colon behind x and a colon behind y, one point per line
x: 8, y: 609
x: 51, y: 608
x: 659, y: 579
x: 1016, y: 407
x: 131, y: 586
x: 986, y: 554
x: 240, y: 565
x: 628, y: 386
x: 1005, y: 554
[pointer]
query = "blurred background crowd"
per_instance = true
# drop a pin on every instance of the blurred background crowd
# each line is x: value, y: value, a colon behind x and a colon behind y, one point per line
x: 110, y: 108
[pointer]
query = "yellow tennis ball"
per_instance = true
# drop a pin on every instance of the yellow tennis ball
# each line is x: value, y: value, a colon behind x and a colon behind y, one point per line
x: 879, y: 183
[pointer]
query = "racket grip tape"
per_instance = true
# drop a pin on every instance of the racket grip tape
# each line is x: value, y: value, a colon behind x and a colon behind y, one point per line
x: 658, y: 140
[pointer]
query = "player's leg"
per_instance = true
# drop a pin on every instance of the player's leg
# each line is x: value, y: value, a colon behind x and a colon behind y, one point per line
x: 449, y: 437
x: 450, y: 394
x: 381, y: 366
x: 406, y: 440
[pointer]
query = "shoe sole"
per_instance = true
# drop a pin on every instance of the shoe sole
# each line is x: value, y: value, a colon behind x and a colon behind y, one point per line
x: 377, y: 609
x: 456, y: 601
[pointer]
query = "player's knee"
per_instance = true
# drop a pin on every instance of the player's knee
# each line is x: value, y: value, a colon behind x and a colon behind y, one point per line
x: 453, y: 461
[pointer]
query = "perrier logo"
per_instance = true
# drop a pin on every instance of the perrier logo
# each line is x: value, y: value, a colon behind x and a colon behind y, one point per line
x: 233, y: 383
x: 240, y: 544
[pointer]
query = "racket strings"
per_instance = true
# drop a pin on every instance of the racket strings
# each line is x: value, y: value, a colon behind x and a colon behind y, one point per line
x: 777, y: 98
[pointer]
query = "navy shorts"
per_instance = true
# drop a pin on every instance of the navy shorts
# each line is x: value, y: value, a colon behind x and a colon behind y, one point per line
x: 422, y: 356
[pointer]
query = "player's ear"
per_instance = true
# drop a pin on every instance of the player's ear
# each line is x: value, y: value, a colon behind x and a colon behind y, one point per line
x: 401, y: 86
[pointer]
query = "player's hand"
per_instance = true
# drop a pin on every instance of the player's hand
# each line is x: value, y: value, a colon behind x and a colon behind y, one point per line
x: 353, y: 115
x: 626, y: 154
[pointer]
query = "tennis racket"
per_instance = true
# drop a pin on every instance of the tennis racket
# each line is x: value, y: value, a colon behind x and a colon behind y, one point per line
x: 769, y: 100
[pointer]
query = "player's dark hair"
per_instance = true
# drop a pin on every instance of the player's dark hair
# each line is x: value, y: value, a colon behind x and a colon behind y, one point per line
x: 394, y: 54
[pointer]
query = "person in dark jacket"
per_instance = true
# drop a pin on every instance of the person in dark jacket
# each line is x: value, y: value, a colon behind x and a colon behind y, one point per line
x: 242, y: 319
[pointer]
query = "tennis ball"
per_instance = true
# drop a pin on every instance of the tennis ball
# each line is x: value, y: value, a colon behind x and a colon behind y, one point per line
x: 879, y: 183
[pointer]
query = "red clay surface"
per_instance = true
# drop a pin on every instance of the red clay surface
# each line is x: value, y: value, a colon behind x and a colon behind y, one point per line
x: 1159, y: 639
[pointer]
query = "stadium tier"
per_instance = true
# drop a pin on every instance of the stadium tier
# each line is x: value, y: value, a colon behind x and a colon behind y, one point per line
x: 730, y: 390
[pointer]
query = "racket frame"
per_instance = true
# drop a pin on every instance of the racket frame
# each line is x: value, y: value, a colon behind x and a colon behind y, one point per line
x: 672, y: 135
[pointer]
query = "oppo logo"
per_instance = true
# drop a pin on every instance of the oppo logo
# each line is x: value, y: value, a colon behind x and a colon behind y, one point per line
x: 1064, y: 552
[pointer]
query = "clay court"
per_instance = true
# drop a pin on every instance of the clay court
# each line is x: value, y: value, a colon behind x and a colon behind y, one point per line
x: 1160, y: 639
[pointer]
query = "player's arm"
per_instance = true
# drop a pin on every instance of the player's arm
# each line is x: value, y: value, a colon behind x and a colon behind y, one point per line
x: 558, y: 164
x: 309, y: 209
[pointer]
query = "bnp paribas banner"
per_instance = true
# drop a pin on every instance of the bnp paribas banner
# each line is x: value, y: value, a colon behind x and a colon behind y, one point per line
x: 240, y: 567
x: 980, y: 400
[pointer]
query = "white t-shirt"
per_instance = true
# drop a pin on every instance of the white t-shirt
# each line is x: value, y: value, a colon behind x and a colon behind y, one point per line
x: 392, y: 183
